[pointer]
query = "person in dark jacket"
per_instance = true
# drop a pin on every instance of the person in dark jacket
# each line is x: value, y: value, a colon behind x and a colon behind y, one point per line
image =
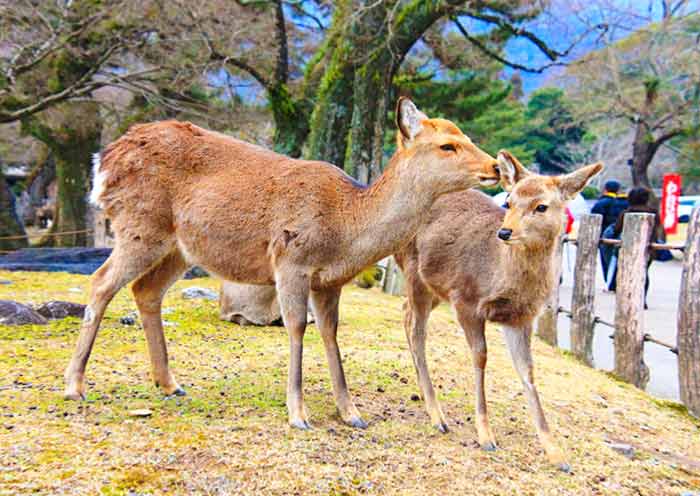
x: 639, y: 203
x: 609, y: 205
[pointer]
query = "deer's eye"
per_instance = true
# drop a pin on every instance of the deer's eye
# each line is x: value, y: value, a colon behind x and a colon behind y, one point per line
x: 541, y: 208
x: 448, y: 147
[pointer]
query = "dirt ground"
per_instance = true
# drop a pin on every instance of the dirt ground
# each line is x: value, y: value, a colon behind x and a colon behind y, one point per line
x: 229, y: 434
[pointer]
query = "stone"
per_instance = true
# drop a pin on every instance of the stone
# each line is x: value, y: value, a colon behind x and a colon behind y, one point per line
x: 61, y: 309
x: 127, y: 320
x: 141, y: 412
x: 72, y: 260
x: 622, y: 448
x: 13, y: 313
x: 195, y: 272
x: 196, y: 292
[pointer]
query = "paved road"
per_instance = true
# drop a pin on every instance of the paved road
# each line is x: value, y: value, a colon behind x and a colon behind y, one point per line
x: 660, y: 322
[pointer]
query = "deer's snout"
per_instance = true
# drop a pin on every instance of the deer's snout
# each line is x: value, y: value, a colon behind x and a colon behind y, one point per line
x: 505, y: 234
x: 491, y: 174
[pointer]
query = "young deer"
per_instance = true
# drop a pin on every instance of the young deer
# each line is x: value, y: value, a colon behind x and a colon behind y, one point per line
x: 179, y: 195
x: 489, y: 264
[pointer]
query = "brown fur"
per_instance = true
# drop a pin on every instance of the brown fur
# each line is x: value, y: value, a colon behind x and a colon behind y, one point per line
x: 457, y: 256
x: 179, y: 195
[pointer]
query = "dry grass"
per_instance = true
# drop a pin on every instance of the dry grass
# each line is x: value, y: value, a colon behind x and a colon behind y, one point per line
x: 229, y: 435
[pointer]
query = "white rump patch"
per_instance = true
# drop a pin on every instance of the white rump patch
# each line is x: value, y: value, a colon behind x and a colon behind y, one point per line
x: 98, y: 181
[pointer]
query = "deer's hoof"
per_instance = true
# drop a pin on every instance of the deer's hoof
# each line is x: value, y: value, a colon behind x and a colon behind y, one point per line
x: 564, y: 467
x: 300, y: 424
x: 489, y: 446
x: 74, y: 396
x: 442, y: 427
x: 178, y: 392
x: 357, y: 423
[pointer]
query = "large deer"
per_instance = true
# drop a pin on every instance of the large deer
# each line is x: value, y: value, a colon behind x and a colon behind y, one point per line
x: 179, y: 195
x: 489, y: 264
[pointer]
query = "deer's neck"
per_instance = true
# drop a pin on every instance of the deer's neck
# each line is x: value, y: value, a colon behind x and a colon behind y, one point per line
x: 388, y: 213
x: 527, y: 272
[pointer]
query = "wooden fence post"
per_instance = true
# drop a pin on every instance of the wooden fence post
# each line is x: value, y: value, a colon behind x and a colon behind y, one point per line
x: 393, y: 281
x: 689, y: 319
x: 547, y: 321
x: 582, y: 299
x: 629, y: 301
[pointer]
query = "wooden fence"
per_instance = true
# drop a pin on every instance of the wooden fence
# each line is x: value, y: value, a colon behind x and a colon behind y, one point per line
x: 630, y: 334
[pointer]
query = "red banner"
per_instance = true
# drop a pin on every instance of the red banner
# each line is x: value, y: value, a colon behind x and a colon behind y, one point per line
x: 670, y: 197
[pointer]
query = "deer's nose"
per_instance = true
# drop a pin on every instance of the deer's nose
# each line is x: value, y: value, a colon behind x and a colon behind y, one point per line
x: 504, y: 234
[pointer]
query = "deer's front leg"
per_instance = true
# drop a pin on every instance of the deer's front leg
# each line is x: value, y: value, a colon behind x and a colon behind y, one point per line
x: 518, y: 342
x: 325, y: 308
x: 293, y: 292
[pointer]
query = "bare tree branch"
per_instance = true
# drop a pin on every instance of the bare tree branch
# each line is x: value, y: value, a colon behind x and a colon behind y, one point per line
x: 482, y: 46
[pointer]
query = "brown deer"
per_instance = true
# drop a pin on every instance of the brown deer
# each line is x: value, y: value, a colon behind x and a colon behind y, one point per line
x: 489, y: 264
x: 179, y: 195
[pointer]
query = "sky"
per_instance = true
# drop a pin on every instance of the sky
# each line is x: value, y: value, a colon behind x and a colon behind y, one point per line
x: 568, y: 20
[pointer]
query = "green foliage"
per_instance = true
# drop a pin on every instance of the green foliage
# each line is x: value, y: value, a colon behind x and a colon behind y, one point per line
x: 483, y: 108
x: 369, y: 277
x: 590, y: 192
x: 551, y: 127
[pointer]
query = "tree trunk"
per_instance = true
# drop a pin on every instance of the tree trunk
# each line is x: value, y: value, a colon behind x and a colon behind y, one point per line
x: 10, y: 224
x: 643, y: 151
x: 291, y: 121
x: 72, y: 132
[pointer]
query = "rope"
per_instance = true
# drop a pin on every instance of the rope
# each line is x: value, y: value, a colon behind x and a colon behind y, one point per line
x: 647, y: 337
x: 38, y: 235
x: 618, y: 242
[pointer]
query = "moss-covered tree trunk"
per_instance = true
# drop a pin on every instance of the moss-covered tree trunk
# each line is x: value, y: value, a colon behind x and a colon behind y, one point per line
x: 291, y: 121
x: 10, y: 225
x: 386, y: 40
x: 72, y: 132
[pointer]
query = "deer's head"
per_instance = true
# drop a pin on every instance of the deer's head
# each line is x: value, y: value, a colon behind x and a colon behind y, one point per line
x: 439, y: 154
x: 536, y: 204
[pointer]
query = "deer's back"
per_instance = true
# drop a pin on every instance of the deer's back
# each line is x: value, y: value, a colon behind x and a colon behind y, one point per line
x: 457, y: 249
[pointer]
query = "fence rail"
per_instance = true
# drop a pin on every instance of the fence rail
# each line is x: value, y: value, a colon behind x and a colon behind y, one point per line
x: 629, y: 333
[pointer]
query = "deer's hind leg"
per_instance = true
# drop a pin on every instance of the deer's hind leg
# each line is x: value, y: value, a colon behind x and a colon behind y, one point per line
x: 325, y: 308
x: 420, y: 303
x: 128, y: 260
x: 148, y: 292
x: 474, y: 331
x: 518, y: 342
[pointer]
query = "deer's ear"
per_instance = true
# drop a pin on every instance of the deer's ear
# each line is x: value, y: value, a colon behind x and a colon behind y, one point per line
x: 409, y: 119
x: 511, y: 170
x: 571, y: 184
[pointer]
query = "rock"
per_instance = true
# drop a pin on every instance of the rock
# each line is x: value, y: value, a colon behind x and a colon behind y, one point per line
x: 73, y: 260
x: 13, y: 313
x: 195, y: 272
x: 622, y: 448
x: 4, y: 282
x: 127, y: 320
x: 61, y: 309
x: 141, y: 412
x: 199, y: 293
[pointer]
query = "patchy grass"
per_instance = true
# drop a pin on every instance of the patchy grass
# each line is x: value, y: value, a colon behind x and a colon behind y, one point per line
x: 229, y: 435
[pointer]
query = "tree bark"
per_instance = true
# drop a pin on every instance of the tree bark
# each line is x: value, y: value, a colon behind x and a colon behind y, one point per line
x: 582, y: 299
x: 547, y: 320
x: 689, y: 319
x: 629, y: 303
x: 72, y: 132
x: 10, y: 224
